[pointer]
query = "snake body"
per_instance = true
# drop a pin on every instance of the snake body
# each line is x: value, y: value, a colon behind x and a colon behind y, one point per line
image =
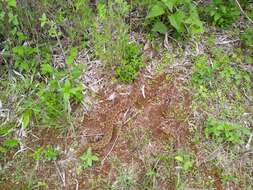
x: 109, y: 124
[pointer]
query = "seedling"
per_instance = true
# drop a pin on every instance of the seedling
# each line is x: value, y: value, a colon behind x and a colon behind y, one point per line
x: 88, y: 159
x: 184, y: 161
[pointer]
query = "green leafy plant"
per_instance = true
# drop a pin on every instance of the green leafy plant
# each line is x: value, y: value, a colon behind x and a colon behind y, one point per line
x: 180, y: 15
x: 8, y: 145
x: 128, y: 69
x: 223, y: 13
x: 9, y: 142
x: 184, y: 161
x: 225, y: 131
x: 87, y: 159
x: 247, y: 37
x: 221, y: 69
x: 38, y: 153
x: 50, y: 153
x: 111, y: 41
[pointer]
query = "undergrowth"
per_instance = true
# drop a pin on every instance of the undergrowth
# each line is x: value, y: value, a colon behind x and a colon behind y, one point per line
x: 42, y: 83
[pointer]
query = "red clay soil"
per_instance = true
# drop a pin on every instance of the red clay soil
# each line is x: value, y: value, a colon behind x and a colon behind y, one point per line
x: 162, y: 108
x: 158, y: 106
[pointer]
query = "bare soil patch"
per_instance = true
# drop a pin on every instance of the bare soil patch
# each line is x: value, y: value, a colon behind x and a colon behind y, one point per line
x: 159, y: 106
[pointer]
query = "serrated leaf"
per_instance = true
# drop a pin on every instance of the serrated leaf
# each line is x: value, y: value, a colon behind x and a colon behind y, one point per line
x: 155, y: 11
x: 160, y: 27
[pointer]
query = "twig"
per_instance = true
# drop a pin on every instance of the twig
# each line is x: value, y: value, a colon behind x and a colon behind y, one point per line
x: 21, y: 150
x: 143, y: 91
x: 60, y: 174
x: 77, y: 184
x: 249, y: 141
x: 243, y: 12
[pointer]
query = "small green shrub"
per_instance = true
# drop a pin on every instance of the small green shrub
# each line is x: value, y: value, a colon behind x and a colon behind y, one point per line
x: 225, y: 131
x: 132, y: 62
x: 180, y: 15
x: 49, y: 153
x: 87, y: 159
x: 111, y: 41
x: 223, y: 13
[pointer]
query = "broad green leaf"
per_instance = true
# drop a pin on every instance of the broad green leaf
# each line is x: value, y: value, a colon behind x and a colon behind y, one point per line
x: 160, y: 27
x: 19, y: 50
x: 177, y: 21
x: 12, y: 3
x: 156, y: 10
x: 26, y: 118
x: 170, y: 4
x: 195, y: 25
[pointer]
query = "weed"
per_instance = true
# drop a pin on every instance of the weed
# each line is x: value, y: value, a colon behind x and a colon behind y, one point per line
x: 181, y: 15
x: 184, y: 161
x: 223, y: 13
x: 225, y: 131
x: 126, y: 178
x: 38, y: 153
x: 112, y: 43
x: 51, y: 153
x: 208, y: 73
x: 87, y: 159
x: 130, y: 65
x: 8, y: 145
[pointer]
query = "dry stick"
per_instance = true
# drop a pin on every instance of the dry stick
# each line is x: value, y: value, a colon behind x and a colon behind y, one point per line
x: 243, y: 12
x: 77, y: 184
x: 114, y: 143
x: 62, y: 176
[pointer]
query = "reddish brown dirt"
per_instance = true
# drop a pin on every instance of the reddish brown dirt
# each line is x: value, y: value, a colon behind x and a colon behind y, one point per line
x: 163, y: 111
x: 162, y: 114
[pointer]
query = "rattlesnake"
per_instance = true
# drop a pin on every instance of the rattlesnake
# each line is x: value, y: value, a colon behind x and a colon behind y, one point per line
x: 114, y: 108
x: 110, y: 126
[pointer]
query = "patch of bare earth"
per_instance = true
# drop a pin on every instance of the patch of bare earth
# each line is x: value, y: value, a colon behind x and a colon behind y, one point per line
x: 157, y: 106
